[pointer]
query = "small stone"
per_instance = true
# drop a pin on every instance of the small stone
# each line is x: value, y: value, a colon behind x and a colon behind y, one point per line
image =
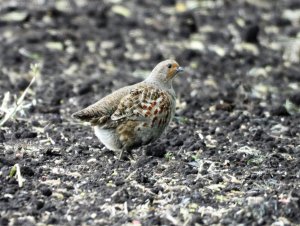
x: 169, y: 2
x: 22, y: 84
x: 25, y: 134
x: 282, y: 22
x: 52, y: 221
x: 2, y: 137
x: 28, y: 134
x: 291, y: 108
x: 255, y: 200
x: 40, y: 204
x: 121, y: 196
x: 121, y: 10
x: 119, y: 182
x: 85, y: 88
x: 55, y: 46
x: 279, y: 111
x: 251, y: 34
x: 224, y: 107
x: 295, y: 99
x: 27, y: 171
x: 157, y: 151
x: 15, y: 16
x: 4, y: 221
x: 46, y: 191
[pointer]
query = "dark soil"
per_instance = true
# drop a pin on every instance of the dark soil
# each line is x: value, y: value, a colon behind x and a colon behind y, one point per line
x: 230, y: 157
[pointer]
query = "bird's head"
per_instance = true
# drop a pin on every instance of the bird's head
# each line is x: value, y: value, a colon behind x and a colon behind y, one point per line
x: 165, y: 72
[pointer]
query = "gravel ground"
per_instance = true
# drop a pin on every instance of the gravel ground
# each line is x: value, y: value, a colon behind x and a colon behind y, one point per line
x: 231, y: 156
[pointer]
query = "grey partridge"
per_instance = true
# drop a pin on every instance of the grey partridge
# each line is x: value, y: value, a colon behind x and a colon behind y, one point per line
x: 135, y: 115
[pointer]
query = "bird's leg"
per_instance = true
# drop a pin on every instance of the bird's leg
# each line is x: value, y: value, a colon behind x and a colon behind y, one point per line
x: 130, y: 154
x: 121, y: 154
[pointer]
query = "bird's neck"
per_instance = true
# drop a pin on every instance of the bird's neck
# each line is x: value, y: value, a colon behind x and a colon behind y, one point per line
x: 163, y: 84
x: 159, y: 80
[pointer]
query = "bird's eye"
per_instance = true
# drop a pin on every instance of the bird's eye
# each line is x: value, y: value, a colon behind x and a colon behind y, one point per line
x: 169, y: 65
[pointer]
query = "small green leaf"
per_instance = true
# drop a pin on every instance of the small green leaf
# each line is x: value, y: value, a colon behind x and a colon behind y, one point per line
x: 13, y: 171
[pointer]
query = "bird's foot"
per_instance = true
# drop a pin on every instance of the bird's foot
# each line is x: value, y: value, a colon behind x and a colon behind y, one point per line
x: 125, y: 155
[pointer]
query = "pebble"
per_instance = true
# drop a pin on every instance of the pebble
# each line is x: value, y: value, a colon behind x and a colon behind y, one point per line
x: 251, y: 34
x: 46, y: 191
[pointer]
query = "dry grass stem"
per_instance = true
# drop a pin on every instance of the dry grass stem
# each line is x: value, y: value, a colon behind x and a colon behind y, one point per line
x: 11, y: 112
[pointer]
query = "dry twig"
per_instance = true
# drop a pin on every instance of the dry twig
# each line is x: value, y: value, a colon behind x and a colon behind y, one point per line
x: 11, y: 112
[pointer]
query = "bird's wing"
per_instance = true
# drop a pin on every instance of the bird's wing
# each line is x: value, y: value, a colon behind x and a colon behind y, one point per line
x: 143, y: 103
x: 101, y: 111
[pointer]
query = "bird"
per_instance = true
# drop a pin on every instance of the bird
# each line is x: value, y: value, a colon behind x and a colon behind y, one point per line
x: 135, y: 115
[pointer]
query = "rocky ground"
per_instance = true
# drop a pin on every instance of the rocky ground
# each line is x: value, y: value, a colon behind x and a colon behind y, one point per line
x: 230, y: 157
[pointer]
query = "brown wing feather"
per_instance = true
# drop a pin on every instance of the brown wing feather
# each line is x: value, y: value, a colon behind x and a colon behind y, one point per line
x: 144, y: 104
x: 137, y: 103
x: 101, y: 111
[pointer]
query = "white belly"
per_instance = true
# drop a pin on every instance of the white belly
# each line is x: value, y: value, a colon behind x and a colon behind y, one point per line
x: 108, y: 138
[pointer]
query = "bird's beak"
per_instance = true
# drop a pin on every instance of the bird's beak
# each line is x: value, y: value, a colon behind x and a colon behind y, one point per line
x: 179, y: 69
x: 173, y: 72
